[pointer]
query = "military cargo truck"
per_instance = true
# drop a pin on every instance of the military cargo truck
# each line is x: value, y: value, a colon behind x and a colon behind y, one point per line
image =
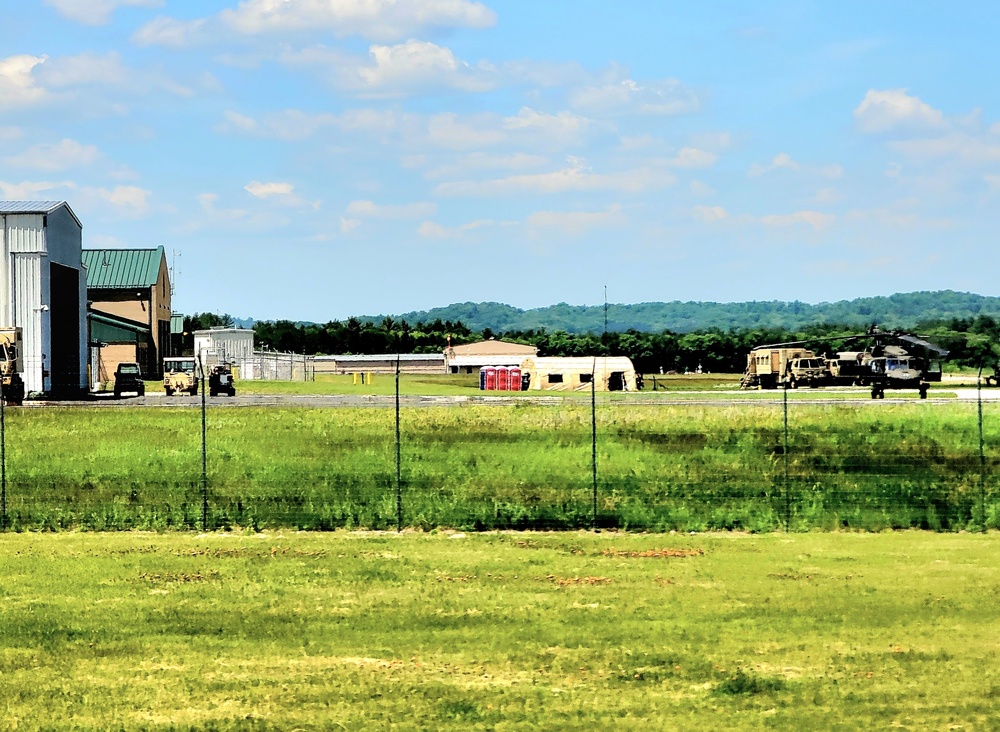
x: 769, y: 367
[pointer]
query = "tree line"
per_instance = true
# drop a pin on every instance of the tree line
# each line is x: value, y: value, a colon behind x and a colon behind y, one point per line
x: 971, y: 341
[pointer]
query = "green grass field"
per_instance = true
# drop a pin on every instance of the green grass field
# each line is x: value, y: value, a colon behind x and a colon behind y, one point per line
x: 684, y: 467
x: 509, y: 631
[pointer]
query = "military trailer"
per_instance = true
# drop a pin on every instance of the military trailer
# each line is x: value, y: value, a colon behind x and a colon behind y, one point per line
x: 180, y: 375
x: 769, y: 367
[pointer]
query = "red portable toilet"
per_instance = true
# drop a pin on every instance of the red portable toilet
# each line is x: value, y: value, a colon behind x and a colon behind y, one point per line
x: 503, y: 378
x: 491, y: 378
x: 515, y: 378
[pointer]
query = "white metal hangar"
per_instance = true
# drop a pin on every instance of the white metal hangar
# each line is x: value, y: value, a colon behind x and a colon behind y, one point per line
x: 43, y: 291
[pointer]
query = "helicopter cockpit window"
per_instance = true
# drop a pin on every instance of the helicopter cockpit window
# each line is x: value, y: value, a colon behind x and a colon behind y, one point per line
x: 895, y: 364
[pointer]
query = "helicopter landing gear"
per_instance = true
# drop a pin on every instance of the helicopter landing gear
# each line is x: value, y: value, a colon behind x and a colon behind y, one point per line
x: 923, y: 389
x: 878, y: 391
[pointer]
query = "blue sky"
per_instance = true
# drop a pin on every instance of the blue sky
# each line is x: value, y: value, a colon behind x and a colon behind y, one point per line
x: 314, y: 159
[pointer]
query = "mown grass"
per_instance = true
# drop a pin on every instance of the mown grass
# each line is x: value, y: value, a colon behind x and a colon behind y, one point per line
x: 691, y: 467
x: 136, y: 631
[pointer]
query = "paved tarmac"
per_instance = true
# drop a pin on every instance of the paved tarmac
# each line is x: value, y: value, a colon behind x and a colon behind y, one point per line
x: 678, y: 398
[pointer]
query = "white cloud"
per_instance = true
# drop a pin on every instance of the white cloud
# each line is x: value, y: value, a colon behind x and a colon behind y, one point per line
x: 348, y: 225
x: 888, y: 109
x: 18, y: 87
x: 563, y: 125
x: 85, y: 80
x: 294, y: 124
x: 268, y: 190
x: 902, y: 214
x: 690, y: 157
x: 433, y: 230
x: 96, y: 12
x: 84, y: 69
x: 413, y: 66
x: 372, y: 210
x: 965, y: 147
x: 709, y: 214
x: 51, y: 157
x: 164, y: 31
x: 827, y: 196
x: 448, y: 131
x: 381, y: 20
x: 283, y: 193
x: 577, y: 222
x: 31, y: 190
x: 701, y: 188
x: 577, y: 177
x: 480, y: 161
x: 10, y: 133
x: 784, y: 161
x: 993, y: 181
x: 666, y: 97
x: 815, y: 219
x: 781, y: 160
x: 128, y: 200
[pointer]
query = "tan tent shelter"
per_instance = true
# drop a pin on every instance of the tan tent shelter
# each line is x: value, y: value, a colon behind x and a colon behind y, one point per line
x: 610, y: 373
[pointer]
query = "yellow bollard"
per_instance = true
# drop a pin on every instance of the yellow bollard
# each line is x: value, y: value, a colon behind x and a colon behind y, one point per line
x: 371, y: 379
x: 355, y: 378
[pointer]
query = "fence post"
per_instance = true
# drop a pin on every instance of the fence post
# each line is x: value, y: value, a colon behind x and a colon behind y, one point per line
x: 593, y: 441
x: 784, y: 456
x: 204, y: 451
x: 982, y: 452
x: 399, y: 464
x: 3, y: 462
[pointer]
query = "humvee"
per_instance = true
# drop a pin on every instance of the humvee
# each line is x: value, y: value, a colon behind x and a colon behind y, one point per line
x: 180, y: 375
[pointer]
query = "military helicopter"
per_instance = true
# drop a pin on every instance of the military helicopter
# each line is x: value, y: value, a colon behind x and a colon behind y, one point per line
x: 892, y: 359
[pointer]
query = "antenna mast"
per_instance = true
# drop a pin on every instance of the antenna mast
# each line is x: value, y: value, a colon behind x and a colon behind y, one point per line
x: 173, y: 272
x: 605, y: 310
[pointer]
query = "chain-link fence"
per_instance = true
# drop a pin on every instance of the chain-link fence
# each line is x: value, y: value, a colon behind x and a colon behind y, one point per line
x: 275, y: 366
x: 756, y: 465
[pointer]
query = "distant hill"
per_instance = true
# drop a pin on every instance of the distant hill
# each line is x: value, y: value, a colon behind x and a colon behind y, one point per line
x: 903, y: 310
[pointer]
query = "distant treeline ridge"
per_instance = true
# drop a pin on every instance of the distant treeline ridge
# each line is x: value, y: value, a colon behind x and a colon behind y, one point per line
x: 971, y: 341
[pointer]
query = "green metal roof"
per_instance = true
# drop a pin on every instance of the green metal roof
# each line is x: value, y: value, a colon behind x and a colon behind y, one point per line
x: 109, y: 329
x: 119, y: 269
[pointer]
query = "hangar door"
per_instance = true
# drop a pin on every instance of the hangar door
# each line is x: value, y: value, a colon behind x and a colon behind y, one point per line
x: 65, y: 321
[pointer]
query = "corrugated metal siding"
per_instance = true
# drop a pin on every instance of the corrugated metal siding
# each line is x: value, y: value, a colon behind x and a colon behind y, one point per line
x: 122, y: 268
x: 26, y: 233
x: 27, y: 301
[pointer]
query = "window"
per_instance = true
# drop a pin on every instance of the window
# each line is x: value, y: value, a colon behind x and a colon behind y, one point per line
x: 555, y: 378
x: 586, y: 378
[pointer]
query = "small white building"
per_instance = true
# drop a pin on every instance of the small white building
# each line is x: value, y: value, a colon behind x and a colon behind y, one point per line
x: 215, y: 345
x: 43, y: 290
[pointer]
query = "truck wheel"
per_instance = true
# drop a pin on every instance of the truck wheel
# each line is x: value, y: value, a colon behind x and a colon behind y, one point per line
x: 142, y: 391
x: 118, y: 394
x: 793, y: 384
x: 232, y: 392
x: 168, y: 390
